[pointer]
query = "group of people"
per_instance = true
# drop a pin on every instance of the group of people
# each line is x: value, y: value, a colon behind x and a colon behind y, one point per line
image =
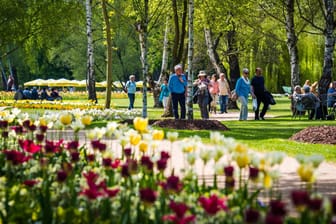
x: 35, y: 94
x: 208, y: 92
x: 310, y: 91
x: 255, y: 88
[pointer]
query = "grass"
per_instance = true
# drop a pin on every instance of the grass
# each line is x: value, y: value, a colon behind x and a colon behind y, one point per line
x: 269, y: 135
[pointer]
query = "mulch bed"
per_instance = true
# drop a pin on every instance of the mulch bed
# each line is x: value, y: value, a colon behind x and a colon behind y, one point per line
x: 211, y: 125
x: 317, y: 135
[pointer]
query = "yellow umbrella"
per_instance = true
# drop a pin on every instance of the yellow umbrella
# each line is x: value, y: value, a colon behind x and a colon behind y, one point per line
x: 36, y: 82
x: 63, y: 82
x: 101, y: 84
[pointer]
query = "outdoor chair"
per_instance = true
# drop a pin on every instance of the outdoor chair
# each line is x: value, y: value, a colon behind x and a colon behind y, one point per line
x: 287, y: 90
x: 303, y: 105
x: 298, y: 109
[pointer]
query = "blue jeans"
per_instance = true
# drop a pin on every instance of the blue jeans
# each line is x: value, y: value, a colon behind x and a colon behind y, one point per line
x: 203, y: 102
x: 131, y: 97
x: 178, y: 98
x: 223, y: 102
x: 243, y: 107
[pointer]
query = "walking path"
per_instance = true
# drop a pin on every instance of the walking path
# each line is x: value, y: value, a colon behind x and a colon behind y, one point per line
x: 234, y: 115
x: 288, y: 181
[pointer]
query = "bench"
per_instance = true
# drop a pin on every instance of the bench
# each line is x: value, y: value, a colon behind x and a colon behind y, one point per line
x: 287, y: 90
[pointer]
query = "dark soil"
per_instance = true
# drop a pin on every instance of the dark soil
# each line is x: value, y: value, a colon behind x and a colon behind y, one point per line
x: 317, y: 135
x: 211, y: 125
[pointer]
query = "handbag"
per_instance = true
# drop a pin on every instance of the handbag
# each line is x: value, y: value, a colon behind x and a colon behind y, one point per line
x: 234, y: 95
x: 254, y: 104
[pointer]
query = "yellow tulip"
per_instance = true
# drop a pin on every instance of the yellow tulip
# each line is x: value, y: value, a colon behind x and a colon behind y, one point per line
x: 86, y: 120
x: 135, y: 139
x: 143, y: 146
x: 140, y: 124
x: 242, y: 160
x: 66, y: 119
x: 268, y: 181
x: 240, y: 148
x: 158, y: 135
x: 306, y: 173
x: 43, y: 122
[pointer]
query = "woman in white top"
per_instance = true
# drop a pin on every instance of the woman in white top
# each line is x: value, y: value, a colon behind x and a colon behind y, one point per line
x: 224, y: 92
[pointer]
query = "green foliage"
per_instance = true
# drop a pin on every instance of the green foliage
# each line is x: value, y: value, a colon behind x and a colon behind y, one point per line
x: 47, y: 39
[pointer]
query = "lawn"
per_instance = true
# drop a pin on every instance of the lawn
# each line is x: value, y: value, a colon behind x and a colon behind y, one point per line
x: 269, y: 135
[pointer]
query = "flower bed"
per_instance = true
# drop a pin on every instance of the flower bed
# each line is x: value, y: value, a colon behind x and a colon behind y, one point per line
x: 45, y: 179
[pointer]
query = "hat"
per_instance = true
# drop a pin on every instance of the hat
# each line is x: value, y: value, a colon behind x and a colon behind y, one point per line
x: 221, y: 74
x: 245, y: 71
x: 201, y: 73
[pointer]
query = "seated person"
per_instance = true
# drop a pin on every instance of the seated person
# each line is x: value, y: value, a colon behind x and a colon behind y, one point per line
x: 19, y: 94
x: 331, y: 99
x: 34, y: 94
x: 297, y: 93
x: 310, y: 101
x: 297, y: 107
x: 44, y: 95
x: 27, y: 93
x: 54, y: 94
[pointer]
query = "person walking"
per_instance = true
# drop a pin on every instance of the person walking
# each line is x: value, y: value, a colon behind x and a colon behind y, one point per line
x: 131, y: 89
x: 214, y: 90
x: 203, y: 94
x: 164, y: 94
x: 258, y: 88
x: 224, y: 92
x: 243, y: 89
x: 177, y: 86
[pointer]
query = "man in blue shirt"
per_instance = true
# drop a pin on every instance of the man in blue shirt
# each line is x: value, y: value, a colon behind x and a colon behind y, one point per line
x: 131, y: 89
x: 177, y: 85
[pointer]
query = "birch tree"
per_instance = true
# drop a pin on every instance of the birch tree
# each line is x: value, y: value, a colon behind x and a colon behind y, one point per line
x: 90, y: 77
x: 292, y: 43
x: 190, y: 113
x: 164, y: 64
x: 286, y: 19
x: 310, y: 11
x: 145, y: 16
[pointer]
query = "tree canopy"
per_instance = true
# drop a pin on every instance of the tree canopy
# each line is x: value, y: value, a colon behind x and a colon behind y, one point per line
x: 47, y: 39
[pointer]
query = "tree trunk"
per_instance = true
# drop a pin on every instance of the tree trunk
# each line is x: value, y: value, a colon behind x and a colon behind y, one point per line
x: 292, y: 44
x: 3, y: 77
x: 109, y: 56
x: 178, y: 46
x: 164, y: 67
x: 179, y: 33
x: 190, y: 113
x: 90, y: 78
x: 142, y: 29
x: 233, y: 63
x: 211, y: 50
x: 328, y: 50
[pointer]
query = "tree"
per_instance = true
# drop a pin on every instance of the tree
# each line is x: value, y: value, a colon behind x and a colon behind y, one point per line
x: 91, y: 81
x: 190, y: 113
x: 309, y: 12
x: 109, y: 54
